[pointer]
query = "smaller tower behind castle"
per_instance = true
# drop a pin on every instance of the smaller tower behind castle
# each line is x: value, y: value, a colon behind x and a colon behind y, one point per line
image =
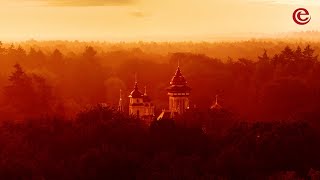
x: 149, y: 107
x: 140, y: 104
x: 136, y: 106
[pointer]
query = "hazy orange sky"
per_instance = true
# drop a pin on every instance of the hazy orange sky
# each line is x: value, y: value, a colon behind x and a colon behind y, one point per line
x: 149, y: 19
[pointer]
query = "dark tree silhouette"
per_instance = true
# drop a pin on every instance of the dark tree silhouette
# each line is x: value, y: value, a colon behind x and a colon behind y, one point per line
x: 28, y: 95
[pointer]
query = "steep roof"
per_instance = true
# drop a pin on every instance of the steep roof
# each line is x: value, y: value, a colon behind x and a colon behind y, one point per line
x: 178, y: 83
x: 178, y: 78
x: 136, y: 93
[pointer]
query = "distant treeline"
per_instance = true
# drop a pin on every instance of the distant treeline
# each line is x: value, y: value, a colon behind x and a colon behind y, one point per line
x: 50, y: 128
x: 41, y: 81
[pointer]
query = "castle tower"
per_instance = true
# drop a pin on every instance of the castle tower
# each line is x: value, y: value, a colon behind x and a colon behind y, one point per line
x: 178, y: 93
x: 140, y: 104
x: 136, y: 106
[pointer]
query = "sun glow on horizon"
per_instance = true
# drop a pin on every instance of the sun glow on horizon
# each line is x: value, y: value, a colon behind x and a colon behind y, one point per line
x: 147, y: 19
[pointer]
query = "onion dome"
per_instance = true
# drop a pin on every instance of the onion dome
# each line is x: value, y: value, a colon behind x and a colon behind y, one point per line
x: 136, y: 93
x: 178, y: 83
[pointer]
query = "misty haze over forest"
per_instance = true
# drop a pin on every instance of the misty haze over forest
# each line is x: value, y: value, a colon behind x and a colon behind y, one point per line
x: 53, y: 126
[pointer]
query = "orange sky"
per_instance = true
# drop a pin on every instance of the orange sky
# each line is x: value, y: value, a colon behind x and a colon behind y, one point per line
x: 149, y: 19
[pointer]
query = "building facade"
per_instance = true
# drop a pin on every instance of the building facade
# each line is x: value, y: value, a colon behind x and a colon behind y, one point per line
x: 140, y: 104
x: 178, y: 93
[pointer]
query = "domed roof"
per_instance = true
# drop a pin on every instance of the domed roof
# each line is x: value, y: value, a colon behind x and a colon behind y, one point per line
x: 136, y: 93
x: 178, y: 78
x: 178, y: 83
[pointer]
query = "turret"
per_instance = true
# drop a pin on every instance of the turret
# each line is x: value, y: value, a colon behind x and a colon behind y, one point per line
x: 140, y: 104
x: 178, y: 93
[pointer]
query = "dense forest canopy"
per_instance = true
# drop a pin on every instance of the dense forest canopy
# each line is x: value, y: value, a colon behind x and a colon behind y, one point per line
x: 277, y: 81
x: 53, y: 125
x: 101, y: 143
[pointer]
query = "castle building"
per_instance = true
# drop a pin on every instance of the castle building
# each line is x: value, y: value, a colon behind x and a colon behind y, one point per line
x: 178, y: 93
x: 140, y: 104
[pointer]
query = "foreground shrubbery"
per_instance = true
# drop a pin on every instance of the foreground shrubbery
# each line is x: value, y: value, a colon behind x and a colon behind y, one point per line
x: 101, y: 143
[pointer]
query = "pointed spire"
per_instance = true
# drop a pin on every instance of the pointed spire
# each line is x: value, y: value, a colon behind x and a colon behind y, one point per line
x: 216, y: 105
x: 178, y: 72
x: 136, y: 93
x: 135, y: 81
x: 135, y: 78
x: 120, y: 107
x: 216, y: 100
x: 145, y: 90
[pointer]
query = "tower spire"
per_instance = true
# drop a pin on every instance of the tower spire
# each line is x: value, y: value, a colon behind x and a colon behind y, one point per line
x: 135, y: 78
x: 145, y: 90
x: 135, y: 81
x: 216, y: 105
x: 120, y: 106
x: 178, y: 92
x: 216, y: 100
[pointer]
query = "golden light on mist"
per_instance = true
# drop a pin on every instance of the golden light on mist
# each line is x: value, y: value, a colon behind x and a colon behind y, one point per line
x: 147, y: 20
